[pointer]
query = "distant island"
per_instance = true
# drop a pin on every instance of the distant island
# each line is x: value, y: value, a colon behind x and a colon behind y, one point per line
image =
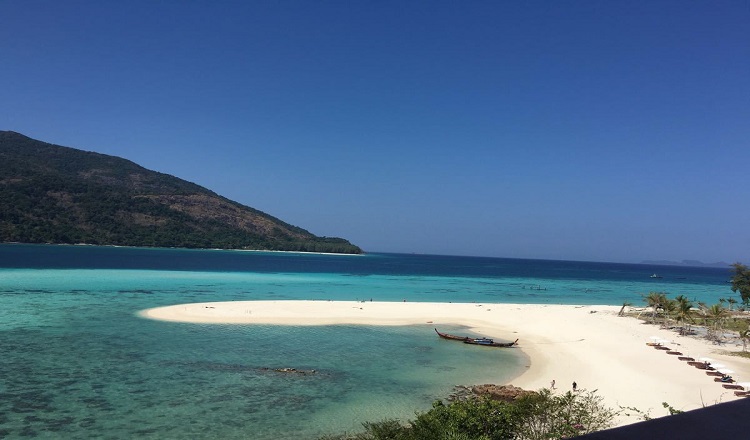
x: 60, y: 195
x: 692, y: 263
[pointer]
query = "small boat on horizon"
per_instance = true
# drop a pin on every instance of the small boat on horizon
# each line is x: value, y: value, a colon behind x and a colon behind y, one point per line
x: 656, y: 276
x: 487, y: 342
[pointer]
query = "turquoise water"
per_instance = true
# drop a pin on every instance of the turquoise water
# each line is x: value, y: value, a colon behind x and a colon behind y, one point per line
x: 77, y: 361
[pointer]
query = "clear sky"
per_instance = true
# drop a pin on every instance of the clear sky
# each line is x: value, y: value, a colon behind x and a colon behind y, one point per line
x: 584, y: 130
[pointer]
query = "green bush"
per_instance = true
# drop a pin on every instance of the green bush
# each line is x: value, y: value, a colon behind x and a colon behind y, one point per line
x: 536, y: 416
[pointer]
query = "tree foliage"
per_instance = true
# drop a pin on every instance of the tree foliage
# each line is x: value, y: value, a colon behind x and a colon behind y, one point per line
x: 537, y: 416
x: 741, y: 282
x: 744, y: 334
x: 716, y: 318
x: 683, y: 312
x: 657, y: 301
x: 54, y: 194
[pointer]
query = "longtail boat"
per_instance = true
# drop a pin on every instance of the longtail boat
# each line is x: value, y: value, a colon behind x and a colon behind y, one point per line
x: 487, y: 342
x: 454, y: 337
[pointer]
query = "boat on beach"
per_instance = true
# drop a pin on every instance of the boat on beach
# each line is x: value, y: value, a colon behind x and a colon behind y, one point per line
x: 453, y: 337
x: 487, y: 342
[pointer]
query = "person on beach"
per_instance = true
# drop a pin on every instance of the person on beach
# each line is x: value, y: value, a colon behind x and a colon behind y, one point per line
x: 552, y: 385
x: 575, y: 385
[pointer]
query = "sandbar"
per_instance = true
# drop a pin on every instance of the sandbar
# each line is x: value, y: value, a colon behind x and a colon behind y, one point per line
x: 588, y: 344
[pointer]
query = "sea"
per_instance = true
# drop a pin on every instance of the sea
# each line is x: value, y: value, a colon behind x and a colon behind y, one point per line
x: 76, y: 360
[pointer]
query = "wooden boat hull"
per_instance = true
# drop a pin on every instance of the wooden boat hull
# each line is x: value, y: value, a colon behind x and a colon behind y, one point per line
x: 476, y: 341
x: 490, y: 343
x: 451, y: 337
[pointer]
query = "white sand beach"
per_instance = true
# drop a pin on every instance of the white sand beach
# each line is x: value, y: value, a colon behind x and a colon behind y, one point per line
x: 590, y: 345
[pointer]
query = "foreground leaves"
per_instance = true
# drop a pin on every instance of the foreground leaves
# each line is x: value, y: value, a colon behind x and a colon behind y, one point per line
x: 537, y: 416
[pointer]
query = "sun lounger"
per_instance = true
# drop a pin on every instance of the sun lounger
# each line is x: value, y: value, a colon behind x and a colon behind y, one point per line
x: 741, y: 393
x: 728, y: 382
x: 732, y: 386
x: 686, y: 358
x: 675, y: 353
x: 661, y: 347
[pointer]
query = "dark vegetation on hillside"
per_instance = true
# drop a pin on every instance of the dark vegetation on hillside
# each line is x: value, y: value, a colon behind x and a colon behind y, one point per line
x: 54, y: 194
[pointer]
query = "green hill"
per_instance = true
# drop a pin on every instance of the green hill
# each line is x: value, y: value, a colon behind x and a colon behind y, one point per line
x: 55, y: 194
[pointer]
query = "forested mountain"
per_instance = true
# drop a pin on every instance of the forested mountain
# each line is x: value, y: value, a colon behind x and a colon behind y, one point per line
x: 55, y: 194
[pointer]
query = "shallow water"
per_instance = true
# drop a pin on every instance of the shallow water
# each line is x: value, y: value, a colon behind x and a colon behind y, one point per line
x: 77, y: 361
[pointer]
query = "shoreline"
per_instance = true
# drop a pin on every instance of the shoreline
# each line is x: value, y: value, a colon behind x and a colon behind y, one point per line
x: 588, y: 344
x: 117, y: 246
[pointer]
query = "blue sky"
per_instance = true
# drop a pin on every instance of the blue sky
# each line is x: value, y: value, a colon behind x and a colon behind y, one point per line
x: 585, y: 130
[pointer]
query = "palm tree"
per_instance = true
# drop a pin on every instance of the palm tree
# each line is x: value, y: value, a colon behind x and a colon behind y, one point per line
x: 622, y: 309
x: 684, y: 312
x: 669, y: 307
x: 745, y: 336
x: 717, y: 313
x: 731, y: 302
x: 703, y: 311
x: 655, y: 300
